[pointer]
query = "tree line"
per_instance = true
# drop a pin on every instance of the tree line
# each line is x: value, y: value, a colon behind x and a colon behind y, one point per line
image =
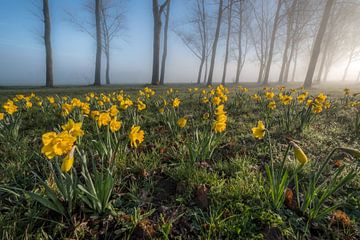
x: 318, y: 32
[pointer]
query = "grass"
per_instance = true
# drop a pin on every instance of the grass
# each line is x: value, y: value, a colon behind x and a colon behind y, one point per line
x: 173, y: 186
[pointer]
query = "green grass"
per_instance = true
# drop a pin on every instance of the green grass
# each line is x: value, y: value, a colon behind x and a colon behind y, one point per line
x: 159, y: 193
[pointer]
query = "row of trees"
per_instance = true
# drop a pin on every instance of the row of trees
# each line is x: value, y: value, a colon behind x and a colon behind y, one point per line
x: 318, y: 32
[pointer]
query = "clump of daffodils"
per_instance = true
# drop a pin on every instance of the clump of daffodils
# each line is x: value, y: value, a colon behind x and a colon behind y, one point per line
x: 219, y: 124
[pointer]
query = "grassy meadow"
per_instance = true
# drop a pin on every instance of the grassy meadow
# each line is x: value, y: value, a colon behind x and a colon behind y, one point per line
x: 180, y: 162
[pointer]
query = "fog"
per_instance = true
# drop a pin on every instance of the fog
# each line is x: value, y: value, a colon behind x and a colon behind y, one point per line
x: 23, y: 53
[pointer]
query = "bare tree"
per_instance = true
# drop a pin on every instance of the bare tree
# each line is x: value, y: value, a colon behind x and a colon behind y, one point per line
x: 229, y: 20
x: 97, y: 81
x: 289, y: 25
x: 241, y: 46
x: 157, y: 13
x: 317, y: 44
x: 195, y: 34
x: 112, y: 25
x: 272, y: 43
x: 214, y: 46
x: 48, y: 49
x: 259, y: 32
x: 166, y: 28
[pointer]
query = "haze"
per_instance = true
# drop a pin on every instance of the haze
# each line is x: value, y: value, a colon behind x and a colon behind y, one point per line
x: 22, y: 49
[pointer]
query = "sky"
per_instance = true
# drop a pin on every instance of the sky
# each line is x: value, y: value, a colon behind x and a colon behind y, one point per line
x: 22, y: 60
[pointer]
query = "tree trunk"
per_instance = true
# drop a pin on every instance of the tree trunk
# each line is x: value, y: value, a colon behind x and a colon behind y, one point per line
x: 156, y: 43
x: 295, y: 64
x: 200, y: 71
x: 206, y: 68
x: 261, y: 72
x: 48, y: 49
x: 348, y: 64
x: 166, y: 28
x: 239, y: 60
x: 107, y: 54
x: 288, y: 65
x: 321, y: 69
x: 230, y: 3
x: 272, y: 43
x: 214, y: 46
x: 317, y: 45
x: 97, y: 81
x: 285, y: 62
x: 328, y: 66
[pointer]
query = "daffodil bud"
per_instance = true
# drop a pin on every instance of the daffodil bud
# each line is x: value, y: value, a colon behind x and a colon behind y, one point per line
x: 299, y: 153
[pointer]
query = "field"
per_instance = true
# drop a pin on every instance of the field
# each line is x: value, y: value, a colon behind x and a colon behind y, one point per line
x: 180, y: 162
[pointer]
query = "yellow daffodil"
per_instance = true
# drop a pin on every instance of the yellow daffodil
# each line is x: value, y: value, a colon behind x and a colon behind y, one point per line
x: 286, y: 99
x: 73, y: 128
x: 182, y: 122
x: 57, y: 144
x: 115, y: 125
x: 259, y: 131
x: 136, y: 136
x: 10, y: 107
x: 113, y: 111
x: 272, y: 105
x: 2, y: 115
x: 269, y: 95
x: 104, y: 119
x: 216, y: 100
x: 176, y: 102
x: 141, y: 105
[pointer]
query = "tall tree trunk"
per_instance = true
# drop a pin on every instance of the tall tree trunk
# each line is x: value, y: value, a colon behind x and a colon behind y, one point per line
x: 48, y: 49
x: 285, y: 62
x: 214, y: 46
x: 156, y: 43
x: 317, y: 45
x: 230, y: 3
x: 348, y: 64
x: 97, y: 81
x: 239, y: 60
x: 107, y: 54
x: 166, y: 28
x: 272, y: 43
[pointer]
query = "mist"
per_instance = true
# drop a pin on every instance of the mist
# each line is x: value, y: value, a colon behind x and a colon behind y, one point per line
x: 23, y: 60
